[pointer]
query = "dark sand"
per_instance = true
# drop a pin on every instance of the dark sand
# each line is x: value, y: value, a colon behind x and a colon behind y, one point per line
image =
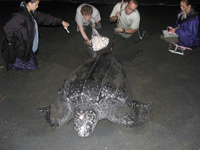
x: 169, y: 80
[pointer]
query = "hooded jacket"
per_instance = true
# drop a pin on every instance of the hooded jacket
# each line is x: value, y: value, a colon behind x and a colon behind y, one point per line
x: 20, y: 30
x: 188, y: 29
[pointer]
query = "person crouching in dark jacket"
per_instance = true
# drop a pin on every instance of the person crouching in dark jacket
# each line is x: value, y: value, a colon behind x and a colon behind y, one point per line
x: 21, y: 31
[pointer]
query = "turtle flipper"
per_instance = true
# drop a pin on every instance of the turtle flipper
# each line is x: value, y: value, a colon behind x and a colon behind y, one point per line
x: 130, y: 57
x: 56, y: 116
x: 46, y: 112
x: 140, y: 110
x: 130, y: 114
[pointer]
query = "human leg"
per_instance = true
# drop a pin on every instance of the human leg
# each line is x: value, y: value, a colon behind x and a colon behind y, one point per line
x: 139, y: 35
x: 23, y: 65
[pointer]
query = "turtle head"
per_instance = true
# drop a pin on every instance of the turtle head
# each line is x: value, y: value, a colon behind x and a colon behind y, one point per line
x: 85, y: 121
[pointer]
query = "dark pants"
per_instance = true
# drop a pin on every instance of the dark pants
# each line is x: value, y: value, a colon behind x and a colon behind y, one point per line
x: 23, y: 65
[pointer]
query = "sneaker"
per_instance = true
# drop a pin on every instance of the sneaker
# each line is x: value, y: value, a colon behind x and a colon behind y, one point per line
x: 142, y: 33
x: 175, y: 48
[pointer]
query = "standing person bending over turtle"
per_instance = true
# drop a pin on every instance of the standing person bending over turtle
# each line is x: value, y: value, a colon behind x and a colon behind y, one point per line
x: 87, y: 15
x: 129, y: 20
x: 21, y: 33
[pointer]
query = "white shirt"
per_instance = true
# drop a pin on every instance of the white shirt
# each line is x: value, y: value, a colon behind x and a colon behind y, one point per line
x: 131, y: 21
x: 80, y: 19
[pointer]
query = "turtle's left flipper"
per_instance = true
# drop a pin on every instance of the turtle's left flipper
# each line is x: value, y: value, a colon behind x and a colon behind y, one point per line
x: 140, y: 110
x: 130, y: 114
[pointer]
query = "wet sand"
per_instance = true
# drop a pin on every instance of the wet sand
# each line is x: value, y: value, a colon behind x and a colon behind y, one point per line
x: 169, y: 80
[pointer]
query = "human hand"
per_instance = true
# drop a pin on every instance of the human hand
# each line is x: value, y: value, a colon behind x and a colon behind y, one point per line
x: 119, y: 30
x: 173, y: 31
x: 169, y: 28
x: 118, y: 14
x: 88, y: 42
x: 65, y: 24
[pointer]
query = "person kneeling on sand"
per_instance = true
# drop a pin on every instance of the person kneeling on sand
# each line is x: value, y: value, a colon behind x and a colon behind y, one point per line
x: 129, y: 20
x: 21, y: 33
x: 87, y: 15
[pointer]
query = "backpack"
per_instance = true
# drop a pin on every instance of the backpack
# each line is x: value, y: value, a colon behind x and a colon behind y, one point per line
x: 8, y: 52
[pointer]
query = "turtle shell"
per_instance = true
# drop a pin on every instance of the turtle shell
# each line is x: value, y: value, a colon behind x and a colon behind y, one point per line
x: 96, y: 81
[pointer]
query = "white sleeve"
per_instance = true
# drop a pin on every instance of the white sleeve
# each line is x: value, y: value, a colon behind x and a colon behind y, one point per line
x: 78, y: 17
x: 136, y: 21
x: 115, y: 9
x: 97, y: 16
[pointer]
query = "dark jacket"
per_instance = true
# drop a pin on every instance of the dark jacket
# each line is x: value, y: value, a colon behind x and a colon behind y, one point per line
x: 20, y: 30
x: 188, y: 29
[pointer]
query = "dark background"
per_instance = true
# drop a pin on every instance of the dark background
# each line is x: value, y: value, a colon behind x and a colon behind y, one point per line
x: 169, y: 80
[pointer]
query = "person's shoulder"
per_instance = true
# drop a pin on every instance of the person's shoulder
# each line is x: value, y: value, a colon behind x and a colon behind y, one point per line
x: 78, y: 9
x: 20, y: 13
x: 136, y: 13
x: 95, y: 10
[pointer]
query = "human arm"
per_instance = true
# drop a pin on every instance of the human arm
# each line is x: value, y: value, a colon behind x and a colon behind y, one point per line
x: 96, y: 24
x: 122, y: 30
x: 65, y: 24
x: 85, y: 37
x: 47, y: 19
x: 115, y: 14
x: 115, y: 17
x: 172, y: 29
x: 13, y: 25
x: 96, y: 18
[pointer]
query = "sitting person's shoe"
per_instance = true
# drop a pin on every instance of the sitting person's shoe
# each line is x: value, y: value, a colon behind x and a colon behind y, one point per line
x: 177, y: 49
x: 145, y: 34
x: 142, y: 33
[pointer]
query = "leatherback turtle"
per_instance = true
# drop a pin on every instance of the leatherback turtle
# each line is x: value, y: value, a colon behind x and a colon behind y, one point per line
x: 93, y: 92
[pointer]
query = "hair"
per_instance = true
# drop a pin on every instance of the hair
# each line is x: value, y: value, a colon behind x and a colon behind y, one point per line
x: 86, y: 10
x: 27, y: 1
x: 188, y: 2
x: 134, y: 1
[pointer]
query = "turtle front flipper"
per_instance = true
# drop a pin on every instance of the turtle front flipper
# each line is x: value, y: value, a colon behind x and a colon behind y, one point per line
x: 56, y: 116
x: 130, y: 114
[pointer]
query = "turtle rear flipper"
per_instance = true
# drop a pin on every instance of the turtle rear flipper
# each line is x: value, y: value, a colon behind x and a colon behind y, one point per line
x: 140, y: 110
x: 130, y: 57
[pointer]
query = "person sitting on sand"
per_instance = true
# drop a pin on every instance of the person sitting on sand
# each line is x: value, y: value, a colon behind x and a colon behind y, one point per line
x: 187, y: 25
